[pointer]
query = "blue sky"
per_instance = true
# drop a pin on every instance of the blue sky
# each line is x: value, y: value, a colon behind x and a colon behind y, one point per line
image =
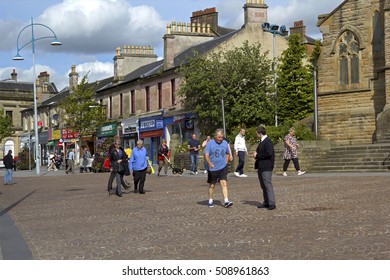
x: 90, y: 30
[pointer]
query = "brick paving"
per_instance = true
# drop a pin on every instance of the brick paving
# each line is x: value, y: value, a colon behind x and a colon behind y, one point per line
x: 318, y: 216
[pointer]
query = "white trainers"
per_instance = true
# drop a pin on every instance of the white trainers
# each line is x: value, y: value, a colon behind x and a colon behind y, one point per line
x: 205, y: 171
x: 285, y: 174
x: 237, y: 174
x: 301, y: 172
x: 243, y: 175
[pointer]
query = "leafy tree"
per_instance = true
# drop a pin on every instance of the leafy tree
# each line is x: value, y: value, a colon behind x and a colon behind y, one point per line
x: 6, y: 129
x: 242, y: 77
x: 81, y: 112
x: 294, y: 83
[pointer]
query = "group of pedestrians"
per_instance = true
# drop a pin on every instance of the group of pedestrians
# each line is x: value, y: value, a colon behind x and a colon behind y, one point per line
x: 127, y: 162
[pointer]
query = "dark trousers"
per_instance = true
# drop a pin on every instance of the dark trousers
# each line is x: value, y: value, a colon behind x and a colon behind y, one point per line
x: 287, y: 162
x: 139, y: 179
x: 265, y: 178
x: 241, y: 162
x: 116, y: 175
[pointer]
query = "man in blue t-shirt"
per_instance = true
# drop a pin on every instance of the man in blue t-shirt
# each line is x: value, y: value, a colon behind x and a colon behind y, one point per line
x: 217, y: 154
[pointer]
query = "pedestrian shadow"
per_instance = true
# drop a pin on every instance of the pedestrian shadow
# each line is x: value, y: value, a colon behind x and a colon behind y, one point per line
x: 206, y: 203
x: 250, y: 202
x: 2, y: 212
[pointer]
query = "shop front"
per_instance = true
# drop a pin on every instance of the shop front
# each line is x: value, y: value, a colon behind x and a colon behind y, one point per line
x: 70, y: 139
x: 130, y: 132
x: 180, y: 124
x: 151, y: 129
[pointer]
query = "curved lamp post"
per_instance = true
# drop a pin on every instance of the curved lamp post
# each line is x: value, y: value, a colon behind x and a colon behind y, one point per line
x: 274, y: 29
x: 55, y: 42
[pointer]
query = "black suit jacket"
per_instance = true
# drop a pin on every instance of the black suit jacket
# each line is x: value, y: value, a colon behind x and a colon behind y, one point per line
x: 265, y: 157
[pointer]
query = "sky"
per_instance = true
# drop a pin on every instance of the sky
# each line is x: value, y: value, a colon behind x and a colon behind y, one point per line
x: 91, y: 30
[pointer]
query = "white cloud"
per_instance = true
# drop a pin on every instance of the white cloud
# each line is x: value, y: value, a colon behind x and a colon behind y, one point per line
x: 102, y: 25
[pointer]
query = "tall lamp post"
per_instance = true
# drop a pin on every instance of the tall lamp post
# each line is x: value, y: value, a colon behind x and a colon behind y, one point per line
x: 274, y: 29
x: 55, y: 42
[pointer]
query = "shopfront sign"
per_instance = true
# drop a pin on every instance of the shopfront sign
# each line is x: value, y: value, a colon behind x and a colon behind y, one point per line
x: 109, y: 129
x: 151, y: 123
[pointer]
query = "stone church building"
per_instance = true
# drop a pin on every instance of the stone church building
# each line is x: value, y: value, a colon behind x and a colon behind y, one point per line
x: 354, y: 72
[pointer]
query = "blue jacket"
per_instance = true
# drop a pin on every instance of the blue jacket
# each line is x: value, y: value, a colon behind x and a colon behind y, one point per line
x: 138, y: 159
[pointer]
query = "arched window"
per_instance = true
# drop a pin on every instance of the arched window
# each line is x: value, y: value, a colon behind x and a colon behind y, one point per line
x: 348, y: 59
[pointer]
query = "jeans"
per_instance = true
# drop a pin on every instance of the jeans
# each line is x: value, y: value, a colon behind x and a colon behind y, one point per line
x: 8, y: 176
x: 194, y: 162
x: 241, y: 162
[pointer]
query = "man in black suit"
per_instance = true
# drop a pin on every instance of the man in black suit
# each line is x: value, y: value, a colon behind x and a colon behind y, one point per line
x: 265, y: 160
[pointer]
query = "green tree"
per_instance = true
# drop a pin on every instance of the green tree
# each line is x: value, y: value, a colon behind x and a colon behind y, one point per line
x: 241, y: 76
x: 81, y: 112
x: 6, y: 129
x: 294, y: 83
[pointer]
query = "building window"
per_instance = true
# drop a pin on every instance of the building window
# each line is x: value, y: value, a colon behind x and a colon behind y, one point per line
x: 9, y: 114
x: 121, y: 104
x: 147, y: 90
x: 173, y: 89
x: 132, y: 100
x: 110, y: 105
x: 159, y: 89
x: 348, y: 59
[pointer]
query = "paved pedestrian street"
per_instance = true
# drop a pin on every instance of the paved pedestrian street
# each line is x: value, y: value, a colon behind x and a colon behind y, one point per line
x: 318, y: 217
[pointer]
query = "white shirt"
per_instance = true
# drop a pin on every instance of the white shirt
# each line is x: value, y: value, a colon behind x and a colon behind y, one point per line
x: 239, y: 143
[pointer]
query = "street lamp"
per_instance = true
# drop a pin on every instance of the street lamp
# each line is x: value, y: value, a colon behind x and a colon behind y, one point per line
x: 274, y: 29
x: 55, y: 42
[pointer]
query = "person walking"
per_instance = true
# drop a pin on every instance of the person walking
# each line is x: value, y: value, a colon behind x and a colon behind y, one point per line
x: 128, y: 151
x: 116, y: 157
x: 52, y: 164
x: 206, y: 166
x: 137, y: 165
x: 86, y: 156
x: 217, y: 156
x: 163, y: 156
x: 265, y: 161
x: 241, y: 151
x: 290, y: 152
x: 70, y: 162
x: 194, y: 146
x: 8, y: 165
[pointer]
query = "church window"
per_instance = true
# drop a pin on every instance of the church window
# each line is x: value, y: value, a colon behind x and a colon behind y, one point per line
x: 348, y: 59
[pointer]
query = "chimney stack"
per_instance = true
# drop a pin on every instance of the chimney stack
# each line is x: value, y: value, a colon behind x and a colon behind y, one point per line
x: 299, y: 28
x: 14, y: 76
x: 73, y: 78
x: 255, y: 12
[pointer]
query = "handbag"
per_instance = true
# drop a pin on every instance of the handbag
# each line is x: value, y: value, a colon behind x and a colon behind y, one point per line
x: 149, y: 168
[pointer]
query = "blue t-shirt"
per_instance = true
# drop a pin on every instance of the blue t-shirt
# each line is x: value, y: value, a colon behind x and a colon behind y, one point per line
x: 217, y: 153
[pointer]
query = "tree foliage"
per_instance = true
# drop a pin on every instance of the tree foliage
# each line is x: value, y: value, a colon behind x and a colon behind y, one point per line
x: 294, y: 83
x: 241, y: 76
x: 6, y: 129
x: 81, y: 112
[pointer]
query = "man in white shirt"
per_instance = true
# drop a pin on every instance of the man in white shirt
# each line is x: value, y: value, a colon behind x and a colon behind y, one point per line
x: 241, y: 151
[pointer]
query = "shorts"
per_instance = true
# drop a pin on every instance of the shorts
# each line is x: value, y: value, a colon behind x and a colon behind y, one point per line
x: 215, y: 176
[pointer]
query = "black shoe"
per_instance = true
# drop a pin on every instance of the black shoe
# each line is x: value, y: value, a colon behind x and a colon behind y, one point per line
x: 141, y: 192
x: 66, y: 172
x: 110, y: 192
x: 119, y: 194
x: 263, y: 205
x: 272, y: 207
x: 135, y: 190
